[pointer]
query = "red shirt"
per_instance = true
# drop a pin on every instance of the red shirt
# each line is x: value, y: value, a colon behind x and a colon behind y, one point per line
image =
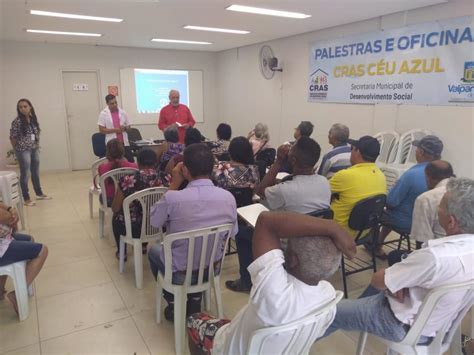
x: 106, y: 167
x: 170, y: 115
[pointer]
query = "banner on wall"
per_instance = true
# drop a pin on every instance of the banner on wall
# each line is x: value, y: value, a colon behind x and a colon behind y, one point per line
x: 425, y: 64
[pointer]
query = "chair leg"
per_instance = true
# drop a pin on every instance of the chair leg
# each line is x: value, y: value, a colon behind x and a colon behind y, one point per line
x: 207, y: 300
x: 456, y: 343
x: 101, y: 223
x: 121, y: 254
x: 344, y: 281
x: 91, y: 211
x: 218, y: 296
x: 159, y: 295
x: 180, y: 320
x: 21, y: 290
x: 361, y: 343
x: 138, y: 263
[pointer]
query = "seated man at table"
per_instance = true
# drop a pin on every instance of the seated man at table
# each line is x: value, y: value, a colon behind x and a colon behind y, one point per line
x: 401, y: 197
x: 305, y: 193
x: 388, y: 308
x: 362, y: 180
x: 199, y: 205
x: 286, y: 286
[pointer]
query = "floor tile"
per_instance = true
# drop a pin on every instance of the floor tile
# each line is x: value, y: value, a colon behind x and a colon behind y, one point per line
x: 27, y: 350
x: 70, y: 251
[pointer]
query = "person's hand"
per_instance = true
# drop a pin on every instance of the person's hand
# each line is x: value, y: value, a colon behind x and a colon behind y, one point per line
x: 185, y: 126
x: 282, y: 153
x: 123, y: 128
x: 345, y: 242
x: 118, y: 130
x: 15, y: 217
x: 177, y: 175
x: 400, y: 294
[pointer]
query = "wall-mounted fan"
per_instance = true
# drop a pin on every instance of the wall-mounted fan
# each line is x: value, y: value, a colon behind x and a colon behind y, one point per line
x: 268, y: 62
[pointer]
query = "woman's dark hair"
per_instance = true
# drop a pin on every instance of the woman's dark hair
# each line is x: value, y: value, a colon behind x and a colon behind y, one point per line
x: 224, y: 131
x: 147, y: 158
x: 240, y: 151
x: 171, y: 134
x: 114, y: 152
x: 109, y: 98
x: 192, y: 136
x: 23, y: 122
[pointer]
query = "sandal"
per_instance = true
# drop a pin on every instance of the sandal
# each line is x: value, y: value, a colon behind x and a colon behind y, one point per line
x: 237, y: 286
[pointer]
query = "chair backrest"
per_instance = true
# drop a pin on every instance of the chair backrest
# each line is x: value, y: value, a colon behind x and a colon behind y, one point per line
x: 327, y: 213
x: 445, y: 334
x: 98, y: 144
x: 10, y: 193
x: 134, y: 134
x: 113, y: 175
x: 366, y: 213
x: 95, y: 170
x: 388, y: 140
x: 243, y: 195
x: 294, y: 338
x: 146, y: 198
x: 203, y: 246
x: 406, y: 150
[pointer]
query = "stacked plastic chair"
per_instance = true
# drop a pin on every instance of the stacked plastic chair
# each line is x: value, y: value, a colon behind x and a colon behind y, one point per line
x: 10, y: 193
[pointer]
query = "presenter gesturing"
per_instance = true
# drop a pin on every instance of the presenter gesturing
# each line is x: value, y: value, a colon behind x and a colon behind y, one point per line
x: 176, y: 114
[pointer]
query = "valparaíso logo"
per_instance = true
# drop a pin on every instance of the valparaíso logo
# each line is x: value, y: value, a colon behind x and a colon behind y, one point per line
x: 467, y: 85
x: 318, y: 86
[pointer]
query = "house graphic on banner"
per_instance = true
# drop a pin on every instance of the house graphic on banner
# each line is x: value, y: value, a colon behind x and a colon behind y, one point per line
x: 318, y: 85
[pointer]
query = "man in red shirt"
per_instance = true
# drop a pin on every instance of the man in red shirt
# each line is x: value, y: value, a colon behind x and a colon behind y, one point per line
x: 176, y: 114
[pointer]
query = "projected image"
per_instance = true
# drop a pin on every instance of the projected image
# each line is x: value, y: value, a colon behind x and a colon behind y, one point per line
x: 153, y: 86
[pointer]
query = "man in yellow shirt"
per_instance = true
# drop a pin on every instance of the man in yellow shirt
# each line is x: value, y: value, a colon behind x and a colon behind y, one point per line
x: 362, y: 180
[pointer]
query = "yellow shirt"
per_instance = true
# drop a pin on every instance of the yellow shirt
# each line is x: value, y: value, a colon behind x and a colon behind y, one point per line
x: 353, y: 185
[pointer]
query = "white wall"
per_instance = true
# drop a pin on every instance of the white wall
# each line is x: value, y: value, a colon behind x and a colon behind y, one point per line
x: 4, y: 145
x: 33, y: 70
x: 246, y: 98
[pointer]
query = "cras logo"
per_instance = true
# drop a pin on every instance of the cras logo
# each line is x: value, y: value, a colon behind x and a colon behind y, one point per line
x: 318, y: 84
x: 464, y: 92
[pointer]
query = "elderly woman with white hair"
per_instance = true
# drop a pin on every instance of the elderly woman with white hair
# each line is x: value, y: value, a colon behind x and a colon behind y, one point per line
x: 259, y: 138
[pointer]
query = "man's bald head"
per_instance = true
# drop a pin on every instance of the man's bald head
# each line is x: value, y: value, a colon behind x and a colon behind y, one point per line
x: 436, y: 171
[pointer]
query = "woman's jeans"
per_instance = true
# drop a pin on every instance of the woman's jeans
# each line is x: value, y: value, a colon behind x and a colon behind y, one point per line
x: 29, y: 161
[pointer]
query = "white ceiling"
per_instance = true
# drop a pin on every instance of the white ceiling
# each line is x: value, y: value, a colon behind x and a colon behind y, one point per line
x: 146, y: 19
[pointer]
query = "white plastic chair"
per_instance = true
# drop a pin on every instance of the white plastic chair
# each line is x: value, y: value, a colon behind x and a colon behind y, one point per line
x: 388, y: 140
x: 294, y: 338
x: 146, y: 198
x: 115, y: 175
x: 17, y: 271
x: 10, y: 193
x: 406, y: 150
x: 208, y: 270
x: 94, y: 189
x: 444, y: 336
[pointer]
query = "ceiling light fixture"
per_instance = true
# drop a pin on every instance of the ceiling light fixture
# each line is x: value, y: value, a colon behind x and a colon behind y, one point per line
x: 261, y: 11
x: 73, y: 16
x: 65, y: 33
x: 177, y: 41
x: 214, y: 29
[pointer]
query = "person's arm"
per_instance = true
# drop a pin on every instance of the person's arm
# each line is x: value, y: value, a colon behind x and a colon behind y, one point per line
x: 8, y: 215
x: 190, y: 120
x: 170, y: 166
x: 104, y: 130
x: 162, y: 122
x: 14, y: 129
x: 422, y: 221
x: 126, y: 122
x: 272, y: 226
x: 117, y: 201
x: 270, y: 177
x: 177, y: 177
x: 398, y: 193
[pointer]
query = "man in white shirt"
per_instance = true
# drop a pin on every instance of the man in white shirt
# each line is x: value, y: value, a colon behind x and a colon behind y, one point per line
x: 306, y: 192
x: 114, y: 123
x: 400, y: 289
x: 285, y: 287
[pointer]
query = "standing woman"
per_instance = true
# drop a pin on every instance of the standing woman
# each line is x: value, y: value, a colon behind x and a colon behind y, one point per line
x: 24, y: 137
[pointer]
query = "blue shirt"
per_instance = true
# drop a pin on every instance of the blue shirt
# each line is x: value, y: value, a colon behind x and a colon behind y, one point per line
x: 401, y: 198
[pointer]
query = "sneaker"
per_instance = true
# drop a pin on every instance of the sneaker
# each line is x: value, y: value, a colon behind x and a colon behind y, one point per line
x: 43, y: 197
x: 29, y: 203
x: 237, y: 286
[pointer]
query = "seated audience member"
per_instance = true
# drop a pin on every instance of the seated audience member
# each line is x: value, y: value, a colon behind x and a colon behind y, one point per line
x: 287, y: 286
x: 401, y: 197
x: 221, y: 146
x: 362, y: 180
x: 115, y: 159
x: 192, y: 136
x: 240, y: 171
x: 306, y: 192
x: 304, y: 129
x: 339, y: 157
x: 199, y: 205
x: 259, y: 138
x: 146, y: 177
x: 170, y: 147
x: 16, y: 247
x: 389, y: 306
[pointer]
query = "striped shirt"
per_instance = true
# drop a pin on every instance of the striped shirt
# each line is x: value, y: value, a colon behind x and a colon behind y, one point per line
x: 338, y: 158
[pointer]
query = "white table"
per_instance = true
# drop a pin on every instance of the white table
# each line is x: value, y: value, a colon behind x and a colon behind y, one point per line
x: 250, y: 213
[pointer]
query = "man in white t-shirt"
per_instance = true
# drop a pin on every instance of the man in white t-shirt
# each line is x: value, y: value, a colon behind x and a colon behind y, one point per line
x: 306, y: 192
x: 114, y: 123
x: 393, y: 300
x: 285, y: 287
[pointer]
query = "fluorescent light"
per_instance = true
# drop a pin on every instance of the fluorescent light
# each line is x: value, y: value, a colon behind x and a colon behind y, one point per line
x: 260, y: 11
x: 78, y: 17
x: 177, y: 41
x: 66, y: 33
x: 213, y: 29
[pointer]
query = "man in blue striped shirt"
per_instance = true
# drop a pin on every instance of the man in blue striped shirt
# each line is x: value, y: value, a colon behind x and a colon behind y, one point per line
x: 339, y: 157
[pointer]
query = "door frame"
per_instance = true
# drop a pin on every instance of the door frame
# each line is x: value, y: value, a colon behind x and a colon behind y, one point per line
x: 66, y: 122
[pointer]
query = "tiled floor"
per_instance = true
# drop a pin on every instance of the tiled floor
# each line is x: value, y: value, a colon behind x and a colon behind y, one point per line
x: 83, y: 305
